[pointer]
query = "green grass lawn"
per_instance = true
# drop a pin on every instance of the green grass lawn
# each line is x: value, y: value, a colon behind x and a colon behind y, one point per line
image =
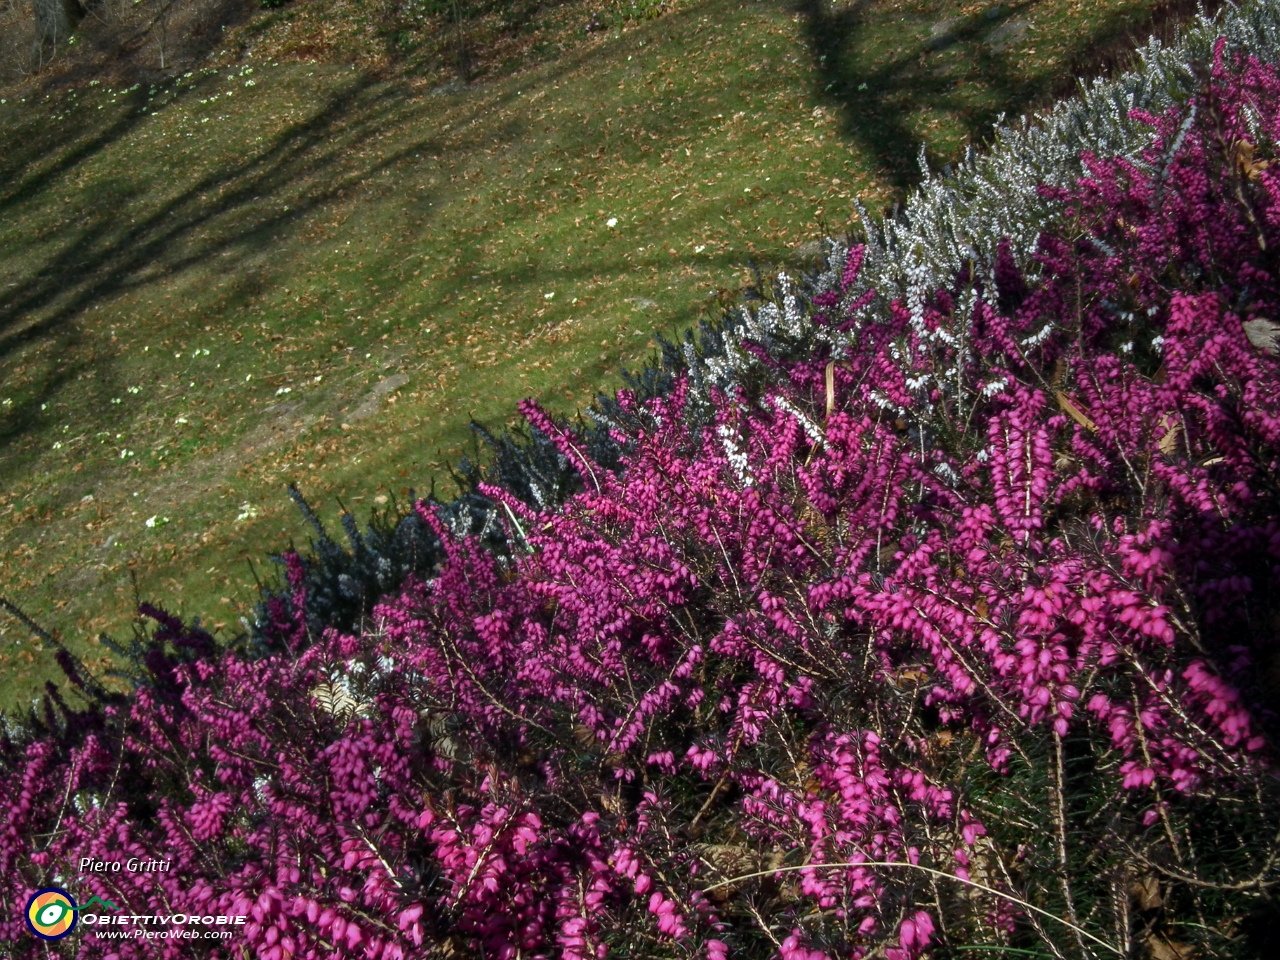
x: 308, y: 272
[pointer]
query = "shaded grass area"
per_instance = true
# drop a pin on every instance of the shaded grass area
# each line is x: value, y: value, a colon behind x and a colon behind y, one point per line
x: 268, y: 272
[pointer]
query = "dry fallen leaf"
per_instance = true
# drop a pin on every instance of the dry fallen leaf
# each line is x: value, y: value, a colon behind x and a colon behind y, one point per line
x: 1146, y: 892
x: 914, y: 675
x: 1169, y: 441
x: 1160, y: 948
x: 1246, y: 162
x: 1075, y: 413
x: 831, y: 386
x: 1264, y: 334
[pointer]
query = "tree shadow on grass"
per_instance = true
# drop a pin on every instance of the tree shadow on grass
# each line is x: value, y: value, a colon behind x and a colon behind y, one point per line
x: 228, y: 211
x: 879, y: 101
x: 236, y: 211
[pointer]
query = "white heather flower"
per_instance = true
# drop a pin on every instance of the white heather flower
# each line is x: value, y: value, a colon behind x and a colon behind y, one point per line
x: 811, y: 429
x: 737, y: 459
x: 1038, y: 338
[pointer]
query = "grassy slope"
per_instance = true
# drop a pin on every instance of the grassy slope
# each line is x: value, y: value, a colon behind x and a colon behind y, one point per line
x: 202, y: 285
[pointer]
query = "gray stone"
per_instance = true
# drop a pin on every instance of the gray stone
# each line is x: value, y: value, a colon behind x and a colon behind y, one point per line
x: 449, y: 89
x: 943, y: 33
x: 1006, y: 35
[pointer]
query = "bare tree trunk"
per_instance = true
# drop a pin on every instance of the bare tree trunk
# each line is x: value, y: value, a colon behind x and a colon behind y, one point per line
x: 164, y: 31
x: 464, y: 66
x: 55, y: 19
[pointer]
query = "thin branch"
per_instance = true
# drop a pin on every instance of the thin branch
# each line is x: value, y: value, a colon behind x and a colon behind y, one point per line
x: 929, y: 870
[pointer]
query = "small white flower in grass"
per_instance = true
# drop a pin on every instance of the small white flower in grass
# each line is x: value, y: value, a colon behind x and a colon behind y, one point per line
x: 58, y: 445
x: 284, y: 390
x: 248, y: 378
x: 699, y: 248
x: 151, y: 521
x: 548, y: 296
x: 247, y: 512
x: 181, y: 420
x: 125, y: 454
x: 611, y: 222
x: 135, y: 389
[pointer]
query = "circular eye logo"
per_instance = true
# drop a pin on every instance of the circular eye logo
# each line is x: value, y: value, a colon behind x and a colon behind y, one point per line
x: 51, y: 913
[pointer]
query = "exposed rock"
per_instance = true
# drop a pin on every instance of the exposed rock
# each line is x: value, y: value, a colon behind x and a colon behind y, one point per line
x: 1006, y: 35
x: 943, y: 33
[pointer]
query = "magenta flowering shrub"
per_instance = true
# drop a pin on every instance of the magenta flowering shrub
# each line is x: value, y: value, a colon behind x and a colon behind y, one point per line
x: 957, y: 633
